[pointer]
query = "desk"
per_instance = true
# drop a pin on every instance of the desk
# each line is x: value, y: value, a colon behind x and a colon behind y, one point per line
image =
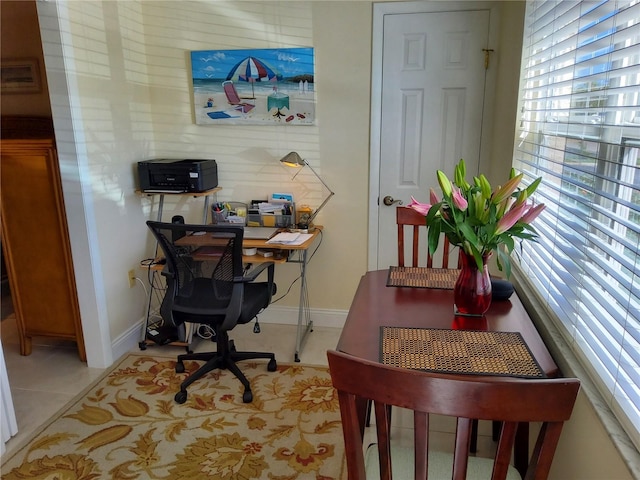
x: 375, y: 305
x: 292, y: 254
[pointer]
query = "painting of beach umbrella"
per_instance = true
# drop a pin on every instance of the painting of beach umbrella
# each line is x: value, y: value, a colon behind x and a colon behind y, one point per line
x: 215, y: 73
x: 252, y: 70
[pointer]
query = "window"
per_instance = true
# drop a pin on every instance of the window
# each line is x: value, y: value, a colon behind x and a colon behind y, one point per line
x: 580, y: 131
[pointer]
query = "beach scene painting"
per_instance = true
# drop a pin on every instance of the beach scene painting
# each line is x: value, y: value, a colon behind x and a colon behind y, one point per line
x: 273, y: 86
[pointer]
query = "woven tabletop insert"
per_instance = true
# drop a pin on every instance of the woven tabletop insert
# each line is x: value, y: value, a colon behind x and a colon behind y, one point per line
x: 422, y: 277
x: 458, y: 351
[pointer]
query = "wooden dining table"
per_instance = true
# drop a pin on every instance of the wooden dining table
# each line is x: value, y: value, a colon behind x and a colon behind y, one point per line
x: 377, y: 305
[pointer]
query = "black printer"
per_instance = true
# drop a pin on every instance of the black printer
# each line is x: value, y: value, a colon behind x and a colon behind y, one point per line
x: 177, y: 175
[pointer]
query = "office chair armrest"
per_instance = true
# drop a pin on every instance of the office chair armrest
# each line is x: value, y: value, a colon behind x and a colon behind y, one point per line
x: 252, y: 274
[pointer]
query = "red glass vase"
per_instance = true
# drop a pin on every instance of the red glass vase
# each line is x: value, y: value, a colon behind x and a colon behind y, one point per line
x: 472, y: 291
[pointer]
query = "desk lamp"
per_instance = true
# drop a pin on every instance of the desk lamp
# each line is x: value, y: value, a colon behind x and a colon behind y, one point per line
x: 293, y: 159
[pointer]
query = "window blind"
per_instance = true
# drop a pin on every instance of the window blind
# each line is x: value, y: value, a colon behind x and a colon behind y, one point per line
x: 580, y: 131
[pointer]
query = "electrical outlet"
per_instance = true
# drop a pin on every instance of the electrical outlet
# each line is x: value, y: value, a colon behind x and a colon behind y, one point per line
x: 132, y: 278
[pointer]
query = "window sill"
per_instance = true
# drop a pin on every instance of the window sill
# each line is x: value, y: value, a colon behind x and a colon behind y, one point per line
x: 570, y: 366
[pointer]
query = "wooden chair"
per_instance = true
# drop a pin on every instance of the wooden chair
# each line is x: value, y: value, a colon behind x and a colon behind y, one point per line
x: 408, y: 217
x: 505, y: 399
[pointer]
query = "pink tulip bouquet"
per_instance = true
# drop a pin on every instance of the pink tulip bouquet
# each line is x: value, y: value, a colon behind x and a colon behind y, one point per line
x: 479, y: 219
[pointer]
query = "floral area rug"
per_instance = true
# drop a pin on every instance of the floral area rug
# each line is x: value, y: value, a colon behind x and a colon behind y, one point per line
x: 127, y: 426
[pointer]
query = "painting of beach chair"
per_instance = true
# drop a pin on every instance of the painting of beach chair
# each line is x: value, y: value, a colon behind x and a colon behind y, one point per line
x: 234, y: 99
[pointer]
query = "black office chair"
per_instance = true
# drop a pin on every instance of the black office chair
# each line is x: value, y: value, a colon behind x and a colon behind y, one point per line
x: 207, y: 284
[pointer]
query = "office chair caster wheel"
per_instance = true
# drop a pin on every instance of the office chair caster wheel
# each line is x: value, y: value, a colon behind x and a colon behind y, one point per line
x: 232, y: 346
x: 179, y: 367
x: 272, y: 365
x: 247, y: 396
x: 181, y: 397
x: 142, y: 345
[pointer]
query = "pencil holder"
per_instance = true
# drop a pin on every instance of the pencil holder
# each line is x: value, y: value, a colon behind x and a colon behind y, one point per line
x: 219, y: 216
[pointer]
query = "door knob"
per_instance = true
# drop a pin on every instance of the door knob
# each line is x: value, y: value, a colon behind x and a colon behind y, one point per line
x: 388, y: 201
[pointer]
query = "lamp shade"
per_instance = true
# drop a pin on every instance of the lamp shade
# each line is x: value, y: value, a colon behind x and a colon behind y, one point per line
x: 293, y: 159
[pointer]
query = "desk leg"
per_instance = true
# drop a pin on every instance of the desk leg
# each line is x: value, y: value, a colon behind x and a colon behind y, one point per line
x: 304, y: 315
x: 206, y: 210
x: 160, y: 206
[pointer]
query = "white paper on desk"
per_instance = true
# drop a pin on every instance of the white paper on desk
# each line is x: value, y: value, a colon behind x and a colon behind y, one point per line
x: 286, y: 238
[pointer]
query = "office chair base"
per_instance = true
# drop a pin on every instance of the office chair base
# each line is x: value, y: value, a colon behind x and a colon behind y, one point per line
x: 214, y: 361
x: 181, y: 396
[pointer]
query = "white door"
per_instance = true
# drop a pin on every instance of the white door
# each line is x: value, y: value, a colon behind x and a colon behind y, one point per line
x: 431, y: 110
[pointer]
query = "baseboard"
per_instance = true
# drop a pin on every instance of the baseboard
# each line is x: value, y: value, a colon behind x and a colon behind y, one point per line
x: 130, y: 339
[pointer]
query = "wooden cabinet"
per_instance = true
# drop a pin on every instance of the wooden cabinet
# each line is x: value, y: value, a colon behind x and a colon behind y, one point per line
x: 35, y: 243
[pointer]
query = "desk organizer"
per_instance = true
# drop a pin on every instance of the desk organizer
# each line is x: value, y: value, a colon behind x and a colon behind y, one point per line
x: 229, y: 213
x: 281, y: 221
x: 219, y: 216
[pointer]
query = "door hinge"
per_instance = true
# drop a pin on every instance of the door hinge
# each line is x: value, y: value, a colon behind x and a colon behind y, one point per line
x: 487, y: 53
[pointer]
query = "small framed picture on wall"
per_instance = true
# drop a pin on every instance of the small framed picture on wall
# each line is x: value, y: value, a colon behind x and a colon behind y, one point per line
x: 20, y: 75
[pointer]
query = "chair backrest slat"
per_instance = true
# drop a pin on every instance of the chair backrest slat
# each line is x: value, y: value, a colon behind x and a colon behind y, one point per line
x: 408, y: 217
x: 503, y: 399
x: 421, y: 441
x: 503, y: 452
x: 461, y: 448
